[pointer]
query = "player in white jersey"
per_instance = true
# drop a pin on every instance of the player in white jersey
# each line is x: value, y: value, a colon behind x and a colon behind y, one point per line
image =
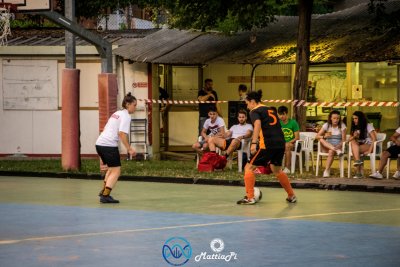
x: 116, y: 129
x: 231, y: 140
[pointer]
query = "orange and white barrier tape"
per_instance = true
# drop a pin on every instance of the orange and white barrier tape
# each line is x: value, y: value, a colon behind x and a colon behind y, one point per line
x: 297, y: 103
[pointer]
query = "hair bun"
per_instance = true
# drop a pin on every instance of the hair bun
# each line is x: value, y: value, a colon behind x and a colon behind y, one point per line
x: 129, y: 94
x: 259, y: 91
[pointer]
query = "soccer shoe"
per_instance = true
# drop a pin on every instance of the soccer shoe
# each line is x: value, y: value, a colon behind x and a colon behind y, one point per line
x: 396, y: 175
x: 376, y: 175
x: 292, y: 199
x: 326, y: 174
x: 286, y: 170
x: 358, y: 176
x: 246, y: 201
x: 358, y: 163
x: 108, y: 199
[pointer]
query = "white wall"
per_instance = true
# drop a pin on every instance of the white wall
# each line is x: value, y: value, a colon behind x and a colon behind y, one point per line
x: 136, y: 82
x: 39, y: 131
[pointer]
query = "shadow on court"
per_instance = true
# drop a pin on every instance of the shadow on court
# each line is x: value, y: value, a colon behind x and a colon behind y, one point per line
x: 59, y: 222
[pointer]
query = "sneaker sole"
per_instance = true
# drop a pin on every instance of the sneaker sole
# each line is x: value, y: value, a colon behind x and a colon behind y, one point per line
x: 292, y: 201
x: 109, y: 202
x: 246, y: 203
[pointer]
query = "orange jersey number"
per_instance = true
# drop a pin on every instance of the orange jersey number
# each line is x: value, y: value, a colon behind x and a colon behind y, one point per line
x: 272, y: 115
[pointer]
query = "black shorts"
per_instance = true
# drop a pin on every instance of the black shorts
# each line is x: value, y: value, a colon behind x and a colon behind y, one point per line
x: 109, y: 155
x: 265, y: 156
x: 394, y: 151
x: 228, y: 142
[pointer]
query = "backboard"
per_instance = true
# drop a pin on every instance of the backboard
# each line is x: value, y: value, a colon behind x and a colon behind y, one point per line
x: 30, y: 5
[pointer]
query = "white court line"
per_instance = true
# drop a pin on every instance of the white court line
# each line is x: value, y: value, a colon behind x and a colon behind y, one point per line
x: 44, y: 238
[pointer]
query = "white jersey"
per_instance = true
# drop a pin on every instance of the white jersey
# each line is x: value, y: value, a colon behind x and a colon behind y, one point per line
x: 120, y: 121
x: 398, y: 131
x: 240, y: 129
x: 213, y: 127
x: 370, y: 128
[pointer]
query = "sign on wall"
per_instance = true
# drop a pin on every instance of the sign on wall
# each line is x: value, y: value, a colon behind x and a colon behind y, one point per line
x: 30, y: 84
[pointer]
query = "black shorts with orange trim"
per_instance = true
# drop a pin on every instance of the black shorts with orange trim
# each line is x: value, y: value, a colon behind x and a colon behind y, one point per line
x: 263, y: 157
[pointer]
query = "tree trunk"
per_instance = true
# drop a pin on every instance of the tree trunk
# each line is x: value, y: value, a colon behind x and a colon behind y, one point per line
x: 302, y: 60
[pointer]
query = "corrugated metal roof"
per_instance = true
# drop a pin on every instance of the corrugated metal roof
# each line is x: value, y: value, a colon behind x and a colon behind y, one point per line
x: 56, y: 37
x: 344, y: 36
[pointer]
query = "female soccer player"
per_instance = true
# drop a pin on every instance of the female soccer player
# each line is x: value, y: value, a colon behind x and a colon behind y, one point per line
x: 267, y: 146
x: 116, y: 129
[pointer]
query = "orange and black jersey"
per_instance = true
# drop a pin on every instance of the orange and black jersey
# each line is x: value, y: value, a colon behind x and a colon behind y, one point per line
x: 271, y: 134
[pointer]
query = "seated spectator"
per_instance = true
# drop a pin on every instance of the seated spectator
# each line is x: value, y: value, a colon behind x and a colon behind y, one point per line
x: 362, y: 135
x: 231, y: 140
x: 332, y: 136
x: 213, y: 126
x: 393, y: 153
x: 291, y: 131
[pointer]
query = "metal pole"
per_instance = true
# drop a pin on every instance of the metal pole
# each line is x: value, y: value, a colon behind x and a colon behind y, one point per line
x: 70, y: 48
x: 103, y: 46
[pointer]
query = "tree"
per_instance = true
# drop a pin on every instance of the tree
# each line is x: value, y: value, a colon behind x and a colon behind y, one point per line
x: 302, y: 58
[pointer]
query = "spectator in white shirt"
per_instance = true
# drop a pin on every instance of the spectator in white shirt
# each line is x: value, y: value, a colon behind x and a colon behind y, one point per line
x: 231, y: 140
x: 213, y: 126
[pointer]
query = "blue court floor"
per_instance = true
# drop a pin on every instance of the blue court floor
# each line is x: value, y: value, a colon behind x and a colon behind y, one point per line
x: 59, y: 222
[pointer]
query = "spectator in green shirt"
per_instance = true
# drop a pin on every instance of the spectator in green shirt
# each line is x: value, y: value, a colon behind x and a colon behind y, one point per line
x: 291, y: 131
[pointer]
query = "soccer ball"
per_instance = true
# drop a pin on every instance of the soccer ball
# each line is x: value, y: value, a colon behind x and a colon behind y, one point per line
x: 257, y: 194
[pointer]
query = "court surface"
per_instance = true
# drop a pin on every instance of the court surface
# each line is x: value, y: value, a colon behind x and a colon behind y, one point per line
x: 59, y: 222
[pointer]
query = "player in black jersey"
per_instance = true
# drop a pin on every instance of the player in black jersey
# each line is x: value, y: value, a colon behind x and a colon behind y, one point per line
x: 267, y: 146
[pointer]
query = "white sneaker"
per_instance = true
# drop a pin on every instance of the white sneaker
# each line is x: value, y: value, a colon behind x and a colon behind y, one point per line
x: 339, y: 153
x: 326, y: 174
x: 376, y: 175
x: 286, y: 170
x: 396, y: 175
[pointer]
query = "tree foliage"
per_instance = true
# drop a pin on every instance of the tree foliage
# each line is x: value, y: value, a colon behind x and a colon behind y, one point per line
x: 223, y: 15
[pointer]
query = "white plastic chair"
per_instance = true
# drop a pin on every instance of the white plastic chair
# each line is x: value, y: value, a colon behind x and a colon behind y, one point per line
x: 376, y: 152
x: 321, y: 154
x: 389, y: 144
x: 297, y: 153
x: 308, y: 147
x: 306, y: 144
x: 244, y: 148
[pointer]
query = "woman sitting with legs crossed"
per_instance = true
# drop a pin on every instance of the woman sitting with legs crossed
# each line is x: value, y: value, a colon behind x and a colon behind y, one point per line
x: 332, y: 135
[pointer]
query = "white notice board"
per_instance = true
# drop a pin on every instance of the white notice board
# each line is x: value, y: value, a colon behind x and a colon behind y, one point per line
x: 30, y: 84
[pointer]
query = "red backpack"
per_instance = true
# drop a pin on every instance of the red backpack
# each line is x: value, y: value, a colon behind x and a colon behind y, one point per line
x: 211, y: 161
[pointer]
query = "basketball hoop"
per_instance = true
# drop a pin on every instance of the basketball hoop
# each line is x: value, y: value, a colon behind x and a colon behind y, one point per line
x: 5, y: 15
